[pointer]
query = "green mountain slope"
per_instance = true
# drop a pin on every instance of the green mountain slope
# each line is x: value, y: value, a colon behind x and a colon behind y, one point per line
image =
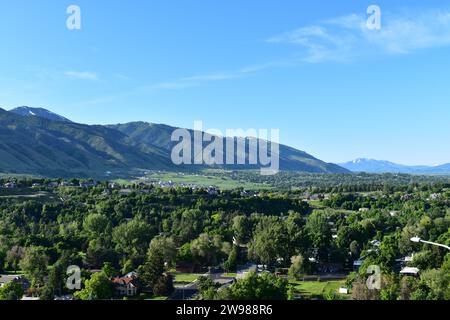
x: 53, y: 148
x: 50, y: 145
x: 159, y: 135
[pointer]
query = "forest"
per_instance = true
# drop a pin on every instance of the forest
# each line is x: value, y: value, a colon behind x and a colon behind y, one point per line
x: 110, y: 230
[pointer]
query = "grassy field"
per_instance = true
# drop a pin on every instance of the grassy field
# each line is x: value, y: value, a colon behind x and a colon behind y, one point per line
x: 13, y: 273
x: 205, y: 180
x: 159, y: 298
x: 230, y: 275
x: 317, y: 289
x: 28, y: 194
x: 316, y: 204
x: 182, y: 279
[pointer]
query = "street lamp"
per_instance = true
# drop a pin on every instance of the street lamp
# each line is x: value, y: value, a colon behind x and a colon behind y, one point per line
x: 418, y: 240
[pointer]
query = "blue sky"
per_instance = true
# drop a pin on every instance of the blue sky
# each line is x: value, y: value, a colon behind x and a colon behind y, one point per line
x: 310, y: 68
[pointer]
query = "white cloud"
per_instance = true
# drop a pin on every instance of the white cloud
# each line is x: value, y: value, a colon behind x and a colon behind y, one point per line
x: 84, y: 75
x: 182, y: 83
x: 346, y: 38
x: 198, y: 80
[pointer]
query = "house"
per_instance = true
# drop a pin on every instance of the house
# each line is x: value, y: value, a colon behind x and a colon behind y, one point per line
x: 435, y: 196
x: 125, y: 192
x: 402, y: 262
x: 212, y: 191
x: 53, y: 184
x: 246, y: 193
x: 357, y: 264
x: 407, y: 197
x: 394, y: 213
x: 126, y: 285
x: 113, y: 185
x: 375, y: 243
x: 343, y: 290
x: 408, y: 271
x: 163, y: 184
x: 317, y: 197
x: 88, y: 184
x: 10, y: 185
x: 405, y: 259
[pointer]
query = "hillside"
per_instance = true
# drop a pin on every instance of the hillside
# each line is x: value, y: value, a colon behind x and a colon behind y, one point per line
x: 36, y: 145
x: 37, y: 141
x: 159, y: 135
x: 38, y: 112
x: 381, y: 166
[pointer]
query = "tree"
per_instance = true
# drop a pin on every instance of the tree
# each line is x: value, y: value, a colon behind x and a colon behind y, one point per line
x: 433, y: 285
x: 96, y: 226
x: 297, y: 268
x: 355, y: 249
x: 133, y: 238
x: 389, y: 251
x: 11, y: 291
x: 2, y: 259
x: 34, y: 264
x: 207, y: 288
x: 152, y: 272
x: 425, y: 260
x: 296, y: 235
x: 319, y: 230
x: 164, y: 285
x: 55, y: 283
x: 210, y: 249
x: 13, y: 257
x: 407, y: 287
x: 270, y: 241
x: 190, y: 225
x: 98, y: 287
x: 168, y: 249
x: 242, y: 227
x: 232, y: 263
x: 360, y: 291
x: 153, y: 268
x: 265, y: 286
x: 446, y: 264
x: 109, y: 270
x: 98, y: 252
x: 185, y: 254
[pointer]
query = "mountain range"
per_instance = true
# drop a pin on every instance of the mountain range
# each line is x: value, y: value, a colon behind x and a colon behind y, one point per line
x: 38, y: 141
x: 39, y: 112
x: 382, y: 166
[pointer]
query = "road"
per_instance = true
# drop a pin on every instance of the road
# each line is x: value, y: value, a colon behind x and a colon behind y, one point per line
x: 190, y: 290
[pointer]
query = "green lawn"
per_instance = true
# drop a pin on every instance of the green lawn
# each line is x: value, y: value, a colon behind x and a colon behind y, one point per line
x: 230, y: 275
x: 205, y: 180
x: 186, y: 278
x: 316, y: 204
x: 160, y: 298
x: 316, y: 289
x: 13, y: 273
